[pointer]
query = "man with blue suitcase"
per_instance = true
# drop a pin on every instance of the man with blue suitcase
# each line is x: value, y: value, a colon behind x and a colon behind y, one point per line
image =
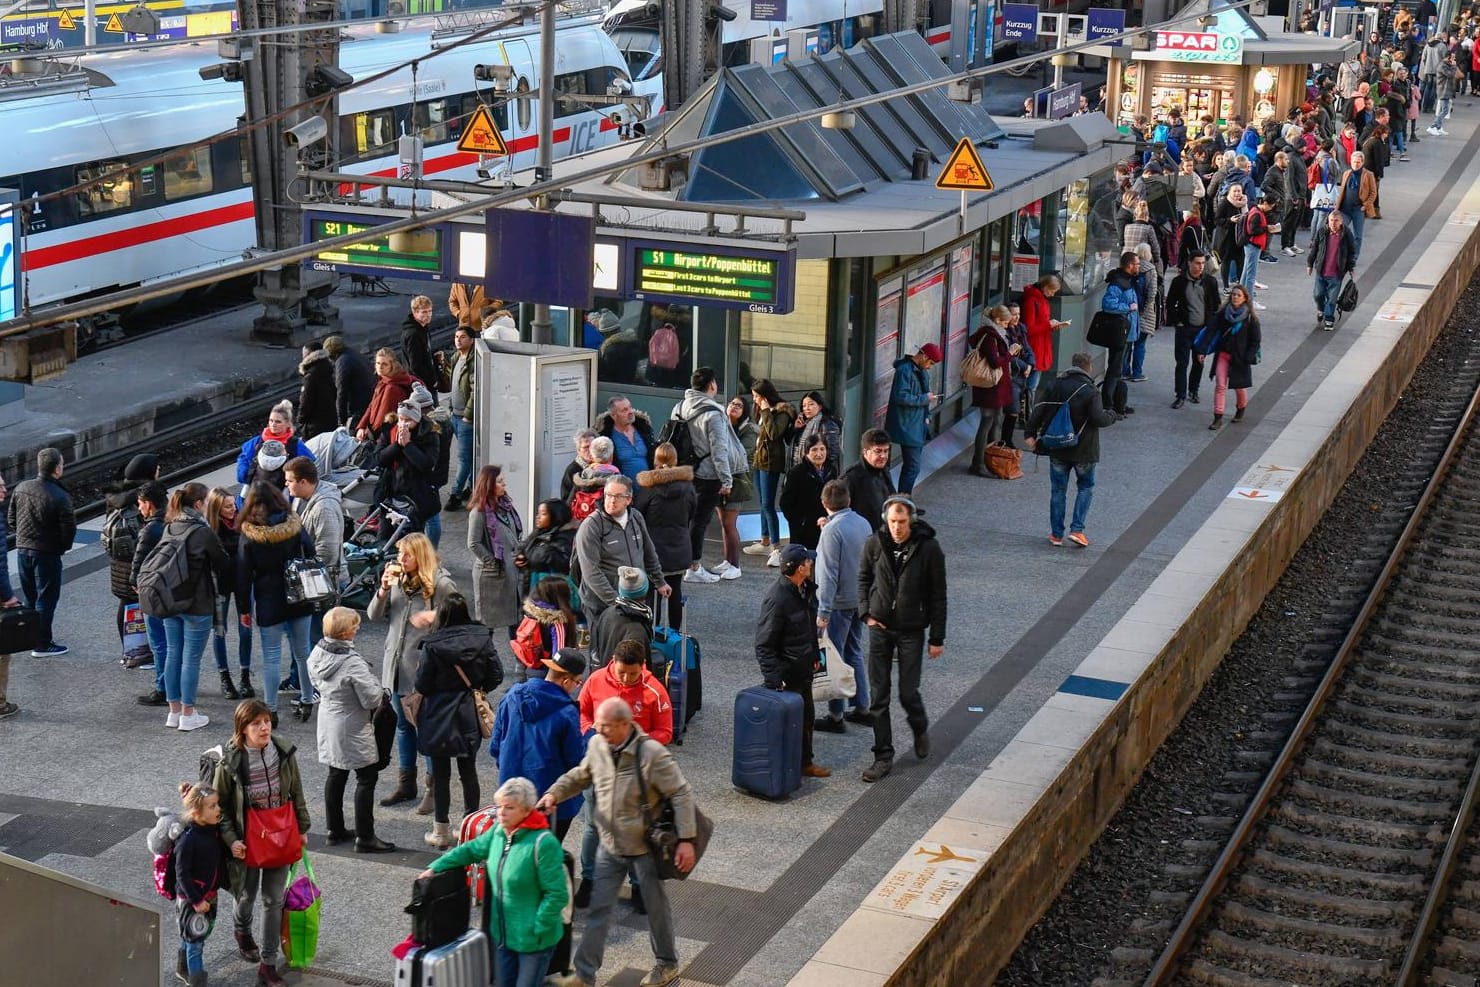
x: 786, y: 640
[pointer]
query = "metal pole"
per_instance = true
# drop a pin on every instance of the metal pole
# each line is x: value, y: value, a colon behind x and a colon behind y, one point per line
x: 1061, y: 42
x: 540, y: 327
x: 90, y: 23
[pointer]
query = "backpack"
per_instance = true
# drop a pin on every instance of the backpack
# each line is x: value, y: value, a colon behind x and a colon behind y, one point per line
x: 677, y: 433
x: 663, y: 348
x: 1060, y: 432
x: 529, y: 643
x: 121, y: 533
x: 166, y: 587
x: 1241, y: 231
x: 583, y: 503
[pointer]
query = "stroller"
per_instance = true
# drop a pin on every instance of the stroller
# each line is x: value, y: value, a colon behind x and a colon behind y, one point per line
x: 373, y: 544
x: 347, y: 464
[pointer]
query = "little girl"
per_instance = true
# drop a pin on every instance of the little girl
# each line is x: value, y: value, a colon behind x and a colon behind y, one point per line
x: 200, y: 869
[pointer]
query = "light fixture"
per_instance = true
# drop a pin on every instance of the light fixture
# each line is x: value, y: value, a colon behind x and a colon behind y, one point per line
x: 839, y: 120
x: 1263, y: 82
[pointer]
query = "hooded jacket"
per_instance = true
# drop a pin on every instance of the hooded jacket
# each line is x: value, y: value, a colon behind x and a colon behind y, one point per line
x: 322, y: 516
x: 786, y: 634
x: 612, y: 776
x: 537, y: 735
x: 348, y: 693
x: 231, y: 785
x: 317, y: 401
x: 722, y: 455
x: 263, y: 551
x: 909, y: 403
x: 652, y: 710
x: 908, y: 595
x: 407, y: 471
x: 246, y: 459
x: 447, y: 724
x: 389, y: 392
x: 770, y: 446
x: 604, y: 545
x: 667, y: 501
x: 643, y: 426
x: 625, y: 620
x: 416, y: 351
x: 1087, y: 412
x: 1122, y: 298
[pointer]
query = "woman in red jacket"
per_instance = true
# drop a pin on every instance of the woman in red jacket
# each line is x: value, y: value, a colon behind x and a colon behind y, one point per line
x: 1038, y: 317
x: 392, y: 386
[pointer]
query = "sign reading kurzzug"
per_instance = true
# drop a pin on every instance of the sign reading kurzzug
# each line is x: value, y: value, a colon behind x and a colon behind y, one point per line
x: 1196, y: 46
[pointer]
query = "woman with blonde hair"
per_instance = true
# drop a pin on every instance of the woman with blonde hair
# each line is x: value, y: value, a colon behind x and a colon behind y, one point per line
x: 221, y: 516
x: 392, y: 386
x: 1140, y: 231
x: 411, y: 590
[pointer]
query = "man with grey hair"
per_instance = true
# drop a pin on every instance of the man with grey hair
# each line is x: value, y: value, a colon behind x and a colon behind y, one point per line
x: 40, y: 515
x: 613, y: 536
x: 631, y: 432
x: 582, y: 440
x: 616, y: 758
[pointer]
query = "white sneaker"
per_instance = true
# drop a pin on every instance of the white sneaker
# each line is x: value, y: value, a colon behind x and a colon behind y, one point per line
x: 193, y: 721
x: 1260, y: 287
x: 700, y: 575
x: 1260, y: 308
x: 1299, y: 249
x: 172, y: 721
x: 1435, y: 132
x: 726, y: 571
x: 1442, y: 132
x: 756, y: 548
x: 775, y: 559
x: 1288, y: 251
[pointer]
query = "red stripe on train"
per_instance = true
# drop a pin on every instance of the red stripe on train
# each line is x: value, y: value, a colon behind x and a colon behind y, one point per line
x: 62, y: 253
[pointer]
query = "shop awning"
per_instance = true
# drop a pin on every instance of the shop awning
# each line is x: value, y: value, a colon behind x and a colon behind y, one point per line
x: 1253, y: 45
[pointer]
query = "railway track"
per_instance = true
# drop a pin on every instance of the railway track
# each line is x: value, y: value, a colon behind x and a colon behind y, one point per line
x: 1354, y: 863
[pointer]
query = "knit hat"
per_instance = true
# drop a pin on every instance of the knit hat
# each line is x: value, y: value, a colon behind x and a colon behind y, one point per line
x: 631, y: 583
x: 409, y: 410
x: 421, y: 396
x: 141, y: 468
x: 568, y: 660
x: 272, y: 455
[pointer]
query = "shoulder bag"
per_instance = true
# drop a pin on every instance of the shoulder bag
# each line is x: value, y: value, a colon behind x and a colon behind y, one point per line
x: 1108, y: 329
x: 661, y: 829
x: 977, y: 372
x: 272, y: 836
x: 480, y: 703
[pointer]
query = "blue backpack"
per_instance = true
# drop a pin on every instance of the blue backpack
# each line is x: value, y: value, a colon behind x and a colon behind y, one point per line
x: 1060, y: 432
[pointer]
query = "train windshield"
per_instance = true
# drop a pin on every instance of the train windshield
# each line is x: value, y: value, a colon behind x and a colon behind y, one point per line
x: 641, y: 50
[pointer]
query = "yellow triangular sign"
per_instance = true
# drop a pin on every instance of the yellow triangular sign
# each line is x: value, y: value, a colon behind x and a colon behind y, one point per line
x: 964, y: 171
x: 480, y: 136
x: 65, y: 22
x: 114, y: 24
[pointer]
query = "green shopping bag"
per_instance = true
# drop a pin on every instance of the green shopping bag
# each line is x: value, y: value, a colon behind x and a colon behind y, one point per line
x: 301, y: 916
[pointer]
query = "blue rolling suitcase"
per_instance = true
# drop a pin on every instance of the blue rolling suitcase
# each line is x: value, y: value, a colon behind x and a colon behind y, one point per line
x: 464, y: 962
x: 675, y: 663
x: 768, y: 742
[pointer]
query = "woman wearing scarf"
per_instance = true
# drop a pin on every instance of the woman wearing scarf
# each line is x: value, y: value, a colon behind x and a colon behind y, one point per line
x: 990, y: 341
x: 801, y: 496
x: 1234, y: 355
x: 494, y: 533
x: 392, y: 386
x: 279, y: 429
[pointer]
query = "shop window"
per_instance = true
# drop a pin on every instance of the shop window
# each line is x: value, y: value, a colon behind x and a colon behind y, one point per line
x: 187, y: 174
x: 790, y: 350
x: 112, y: 194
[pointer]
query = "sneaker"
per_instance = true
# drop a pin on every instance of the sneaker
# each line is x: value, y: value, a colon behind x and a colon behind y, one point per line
x: 1442, y: 132
x: 877, y: 770
x: 1402, y: 157
x: 1192, y: 396
x: 1178, y: 403
x: 288, y: 688
x: 700, y: 575
x: 1431, y: 130
x: 826, y: 724
x: 1288, y: 251
x: 153, y: 698
x: 192, y: 721
x: 756, y: 548
x: 1260, y: 287
x: 1330, y: 325
x: 1057, y: 541
x: 172, y: 721
x: 571, y: 979
x: 1137, y: 379
x: 52, y: 650
x: 1298, y: 249
x: 726, y: 571
x: 1078, y: 539
x: 774, y: 560
x: 7, y: 710
x: 1269, y: 258
x: 660, y: 975
x: 138, y: 661
x: 1260, y: 307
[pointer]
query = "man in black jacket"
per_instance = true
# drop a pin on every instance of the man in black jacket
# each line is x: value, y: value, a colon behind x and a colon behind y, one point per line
x: 1332, y: 257
x: 901, y: 598
x: 1192, y: 301
x: 1088, y: 416
x: 786, y: 640
x: 416, y: 342
x: 41, y: 518
x: 868, y: 480
x: 354, y: 381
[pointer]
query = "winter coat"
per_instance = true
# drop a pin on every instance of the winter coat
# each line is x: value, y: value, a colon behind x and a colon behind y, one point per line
x: 317, y: 403
x: 786, y: 634
x: 652, y: 710
x: 537, y: 735
x: 407, y: 471
x: 1022, y: 364
x: 447, y: 724
x: 1137, y: 233
x: 495, y: 581
x: 591, y: 480
x: 989, y: 343
x: 261, y: 555
x: 1037, y: 316
x: 770, y: 445
x: 438, y: 421
x: 1087, y: 412
x: 805, y: 432
x: 323, y: 520
x: 568, y: 478
x: 625, y: 620
x: 120, y: 571
x: 528, y: 890
x: 1177, y: 299
x: 546, y: 551
x: 246, y: 460
x: 199, y: 864
x: 1193, y: 239
x: 354, y: 386
x: 416, y: 351
x: 40, y: 516
x: 722, y: 454
x: 612, y: 776
x: 907, y: 419
x: 839, y: 553
x: 1366, y: 193
x: 1275, y: 190
x: 667, y: 502
x: 398, y: 665
x: 209, y: 565
x: 1242, y: 348
x: 1375, y: 156
x: 643, y: 426
x: 1149, y: 301
x: 603, y: 546
x: 911, y: 597
x: 801, y: 501
x: 464, y: 377
x: 231, y: 786
x: 348, y: 693
x: 1315, y: 258
x: 868, y: 488
x: 1122, y: 298
x: 389, y: 392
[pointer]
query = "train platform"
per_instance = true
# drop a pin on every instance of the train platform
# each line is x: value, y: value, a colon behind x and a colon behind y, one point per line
x: 1063, y: 670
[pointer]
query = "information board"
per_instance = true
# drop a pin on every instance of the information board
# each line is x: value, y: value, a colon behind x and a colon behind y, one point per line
x: 416, y: 254
x: 761, y: 281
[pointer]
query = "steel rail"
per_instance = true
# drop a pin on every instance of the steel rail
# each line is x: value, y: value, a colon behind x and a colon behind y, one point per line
x: 1168, y: 963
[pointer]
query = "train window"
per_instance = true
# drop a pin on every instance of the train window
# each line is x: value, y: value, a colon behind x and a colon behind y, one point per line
x: 375, y: 132
x: 246, y: 152
x: 524, y: 107
x: 430, y: 120
x: 111, y: 194
x: 569, y: 84
x: 187, y: 174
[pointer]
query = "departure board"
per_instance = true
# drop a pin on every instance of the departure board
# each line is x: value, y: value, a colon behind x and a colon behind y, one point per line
x: 414, y: 254
x: 717, y: 277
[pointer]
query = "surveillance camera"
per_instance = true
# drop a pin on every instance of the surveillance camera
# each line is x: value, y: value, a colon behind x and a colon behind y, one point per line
x: 484, y: 173
x: 615, y: 118
x: 493, y: 73
x: 307, y: 133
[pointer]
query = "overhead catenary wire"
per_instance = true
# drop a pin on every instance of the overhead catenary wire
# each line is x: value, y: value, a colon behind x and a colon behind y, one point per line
x: 294, y: 255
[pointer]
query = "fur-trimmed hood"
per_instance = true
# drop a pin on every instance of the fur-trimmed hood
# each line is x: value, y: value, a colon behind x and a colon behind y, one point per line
x: 317, y: 356
x: 660, y: 475
x: 287, y: 527
x: 605, y: 425
x: 595, y: 476
x: 545, y: 616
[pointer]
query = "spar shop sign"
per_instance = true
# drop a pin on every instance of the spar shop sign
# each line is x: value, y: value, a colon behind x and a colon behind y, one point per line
x: 1198, y: 46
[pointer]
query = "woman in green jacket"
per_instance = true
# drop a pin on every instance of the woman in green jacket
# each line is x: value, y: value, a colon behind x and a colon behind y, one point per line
x: 528, y: 888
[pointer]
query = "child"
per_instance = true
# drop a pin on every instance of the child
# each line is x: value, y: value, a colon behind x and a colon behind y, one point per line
x: 200, y: 869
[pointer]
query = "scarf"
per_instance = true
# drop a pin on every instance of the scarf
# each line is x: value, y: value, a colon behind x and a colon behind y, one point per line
x: 285, y: 436
x: 1235, y: 317
x: 506, y: 513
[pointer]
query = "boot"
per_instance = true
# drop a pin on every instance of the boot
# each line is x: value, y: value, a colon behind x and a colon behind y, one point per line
x: 267, y: 976
x: 228, y: 687
x: 1009, y: 425
x: 1217, y: 423
x: 198, y: 979
x: 440, y: 838
x: 246, y: 690
x: 405, y: 789
x: 1238, y: 414
x: 424, y: 807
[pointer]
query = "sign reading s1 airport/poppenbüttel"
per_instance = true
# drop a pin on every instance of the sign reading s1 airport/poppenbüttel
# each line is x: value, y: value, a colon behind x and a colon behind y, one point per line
x: 752, y: 280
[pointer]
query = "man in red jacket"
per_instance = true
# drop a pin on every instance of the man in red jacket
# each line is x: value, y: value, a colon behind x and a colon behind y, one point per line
x: 1038, y: 317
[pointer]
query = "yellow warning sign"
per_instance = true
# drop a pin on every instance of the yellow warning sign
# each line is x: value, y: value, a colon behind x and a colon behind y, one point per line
x: 964, y: 171
x: 480, y: 136
x: 65, y: 22
x: 114, y: 24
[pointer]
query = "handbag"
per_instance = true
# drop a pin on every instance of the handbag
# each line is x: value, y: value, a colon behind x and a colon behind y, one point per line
x: 1323, y: 196
x: 411, y: 706
x: 383, y: 723
x: 1002, y: 462
x: 300, y: 931
x: 661, y: 832
x: 1108, y: 329
x: 272, y: 836
x: 307, y: 581
x: 480, y: 704
x: 977, y: 372
x: 837, y: 679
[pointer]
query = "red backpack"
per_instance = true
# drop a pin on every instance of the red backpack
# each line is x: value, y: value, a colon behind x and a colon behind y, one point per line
x: 583, y: 503
x: 663, y: 348
x: 529, y: 643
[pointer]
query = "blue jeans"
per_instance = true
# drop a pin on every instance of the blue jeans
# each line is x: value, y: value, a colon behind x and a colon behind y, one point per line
x: 513, y: 969
x: 1441, y: 112
x: 608, y: 881
x: 41, y: 585
x: 159, y: 644
x: 766, y: 483
x: 1135, y: 358
x: 845, y: 631
x: 433, y: 529
x: 224, y: 607
x: 1355, y: 220
x: 195, y: 955
x: 295, y: 629
x: 185, y: 645
x: 1326, y: 290
x: 909, y: 469
x: 405, y: 738
x: 463, y: 432
x: 1400, y: 140
x: 1058, y: 475
x: 1250, y: 269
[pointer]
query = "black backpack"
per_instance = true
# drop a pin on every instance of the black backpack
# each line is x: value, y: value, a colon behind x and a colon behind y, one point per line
x: 1241, y: 228
x: 677, y: 433
x: 166, y: 587
x: 121, y: 533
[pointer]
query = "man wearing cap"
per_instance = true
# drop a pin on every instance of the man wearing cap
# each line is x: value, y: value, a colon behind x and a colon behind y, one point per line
x: 786, y: 640
x: 910, y: 398
x: 407, y: 455
x: 537, y: 730
x: 628, y: 619
x: 613, y: 536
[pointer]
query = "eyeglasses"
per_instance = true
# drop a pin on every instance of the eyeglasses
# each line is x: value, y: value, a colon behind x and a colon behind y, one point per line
x: 618, y: 496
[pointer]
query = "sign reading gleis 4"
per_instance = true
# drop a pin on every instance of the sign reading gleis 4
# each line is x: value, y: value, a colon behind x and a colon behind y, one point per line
x: 762, y: 281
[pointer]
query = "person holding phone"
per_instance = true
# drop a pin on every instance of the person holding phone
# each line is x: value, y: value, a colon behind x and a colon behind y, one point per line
x: 1041, y: 325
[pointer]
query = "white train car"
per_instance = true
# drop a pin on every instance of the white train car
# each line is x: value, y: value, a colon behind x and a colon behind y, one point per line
x: 194, y: 211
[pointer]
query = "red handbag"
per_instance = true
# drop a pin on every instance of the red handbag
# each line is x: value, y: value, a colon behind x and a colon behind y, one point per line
x: 273, y: 839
